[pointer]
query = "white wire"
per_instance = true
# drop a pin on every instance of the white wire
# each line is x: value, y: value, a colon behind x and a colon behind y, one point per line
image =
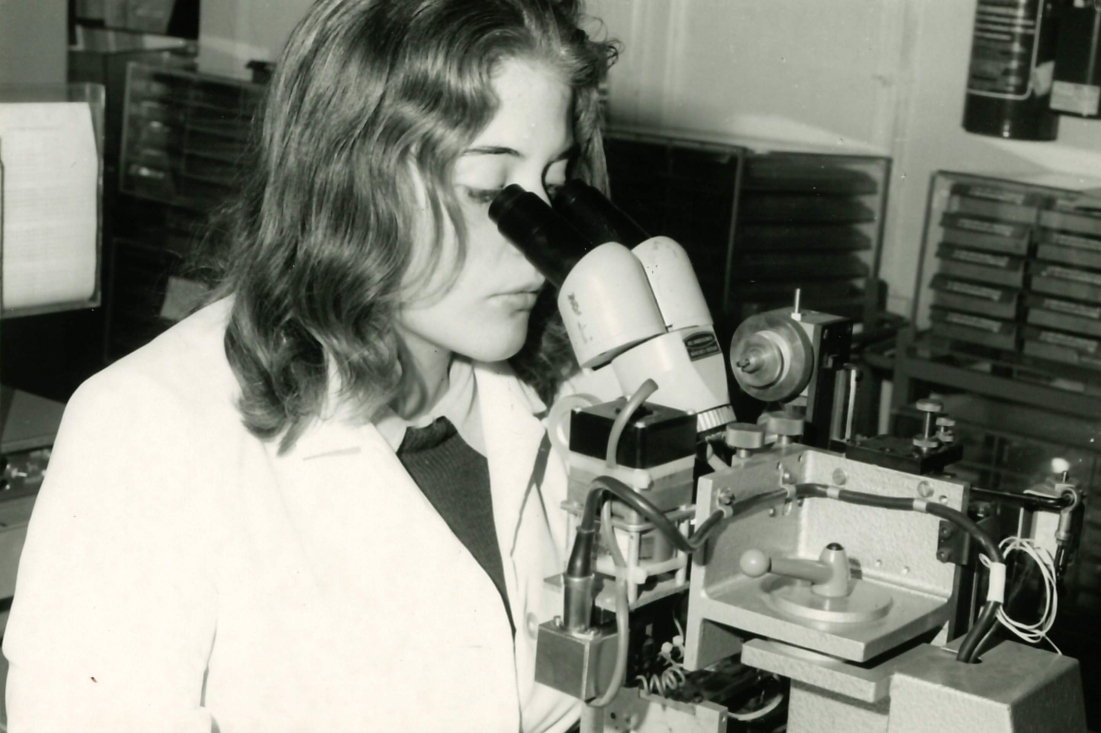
x: 1037, y: 632
x: 762, y: 712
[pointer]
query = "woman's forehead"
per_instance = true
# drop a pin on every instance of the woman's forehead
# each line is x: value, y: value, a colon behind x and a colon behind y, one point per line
x: 533, y: 112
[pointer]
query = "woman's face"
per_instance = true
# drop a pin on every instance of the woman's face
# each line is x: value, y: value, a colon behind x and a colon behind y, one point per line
x: 484, y: 313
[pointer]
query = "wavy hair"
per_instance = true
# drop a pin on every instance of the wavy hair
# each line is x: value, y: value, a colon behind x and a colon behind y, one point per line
x: 318, y: 240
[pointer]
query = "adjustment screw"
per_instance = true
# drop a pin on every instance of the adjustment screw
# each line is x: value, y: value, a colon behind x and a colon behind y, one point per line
x: 839, y: 477
x: 930, y: 408
x: 924, y: 489
x: 745, y: 436
x: 926, y: 443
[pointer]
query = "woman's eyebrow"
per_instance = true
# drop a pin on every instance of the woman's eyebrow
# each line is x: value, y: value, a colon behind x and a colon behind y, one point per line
x: 492, y: 150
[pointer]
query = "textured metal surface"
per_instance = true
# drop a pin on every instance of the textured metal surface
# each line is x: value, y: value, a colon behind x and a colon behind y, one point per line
x: 1015, y: 689
x: 580, y: 666
x: 891, y: 546
x: 895, y: 550
x: 812, y: 710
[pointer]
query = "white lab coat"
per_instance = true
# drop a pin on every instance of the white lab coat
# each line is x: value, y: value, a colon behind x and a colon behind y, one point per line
x: 178, y: 572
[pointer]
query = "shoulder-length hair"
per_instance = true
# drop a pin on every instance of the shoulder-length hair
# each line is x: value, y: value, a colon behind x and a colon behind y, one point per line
x: 367, y: 96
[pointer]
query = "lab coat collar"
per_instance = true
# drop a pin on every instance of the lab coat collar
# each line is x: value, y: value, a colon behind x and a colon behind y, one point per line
x: 338, y: 432
x: 516, y: 446
x: 457, y: 406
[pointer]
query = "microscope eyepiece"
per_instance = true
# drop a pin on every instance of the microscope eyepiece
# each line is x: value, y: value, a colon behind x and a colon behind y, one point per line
x: 503, y: 202
x: 588, y: 210
x: 546, y: 239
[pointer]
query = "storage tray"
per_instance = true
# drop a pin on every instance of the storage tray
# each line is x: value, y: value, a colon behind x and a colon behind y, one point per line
x: 969, y: 297
x: 974, y: 329
x: 1057, y: 346
x: 986, y: 234
x: 986, y: 267
x: 1064, y: 281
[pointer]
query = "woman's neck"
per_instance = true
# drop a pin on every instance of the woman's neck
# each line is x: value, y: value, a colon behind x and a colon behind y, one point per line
x: 425, y: 379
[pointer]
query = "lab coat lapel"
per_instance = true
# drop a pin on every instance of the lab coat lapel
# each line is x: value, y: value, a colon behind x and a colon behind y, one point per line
x: 513, y: 437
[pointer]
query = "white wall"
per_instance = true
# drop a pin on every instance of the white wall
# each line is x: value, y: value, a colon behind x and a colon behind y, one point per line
x: 234, y: 32
x: 33, y: 39
x: 885, y: 74
x: 755, y: 68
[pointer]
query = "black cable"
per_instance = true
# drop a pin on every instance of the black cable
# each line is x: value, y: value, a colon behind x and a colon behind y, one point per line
x: 580, y: 563
x: 883, y: 502
x: 970, y: 646
x: 989, y: 546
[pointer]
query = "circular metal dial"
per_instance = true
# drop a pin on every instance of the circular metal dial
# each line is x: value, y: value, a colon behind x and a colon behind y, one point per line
x: 771, y: 356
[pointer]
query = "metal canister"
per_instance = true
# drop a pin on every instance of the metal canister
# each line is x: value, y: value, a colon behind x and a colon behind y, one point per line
x: 1012, y: 70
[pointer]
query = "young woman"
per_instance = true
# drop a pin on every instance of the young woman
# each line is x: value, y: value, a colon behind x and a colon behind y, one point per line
x: 325, y: 502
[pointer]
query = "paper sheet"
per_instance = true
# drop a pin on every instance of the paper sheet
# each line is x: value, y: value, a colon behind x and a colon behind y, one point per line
x: 49, y: 168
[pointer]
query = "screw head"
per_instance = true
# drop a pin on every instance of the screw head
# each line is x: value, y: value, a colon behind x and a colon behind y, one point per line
x: 924, y: 489
x: 725, y: 496
x: 943, y: 555
x: 839, y: 477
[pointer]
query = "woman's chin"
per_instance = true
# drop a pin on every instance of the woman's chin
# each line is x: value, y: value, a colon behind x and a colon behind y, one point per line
x: 498, y: 347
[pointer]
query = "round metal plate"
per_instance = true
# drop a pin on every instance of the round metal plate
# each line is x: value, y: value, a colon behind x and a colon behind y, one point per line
x: 865, y: 602
x: 783, y: 350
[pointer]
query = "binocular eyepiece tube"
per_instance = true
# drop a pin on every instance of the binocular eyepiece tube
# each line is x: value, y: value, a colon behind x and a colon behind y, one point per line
x: 555, y: 239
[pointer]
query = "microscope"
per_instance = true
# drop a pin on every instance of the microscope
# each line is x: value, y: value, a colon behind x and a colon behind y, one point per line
x: 789, y: 553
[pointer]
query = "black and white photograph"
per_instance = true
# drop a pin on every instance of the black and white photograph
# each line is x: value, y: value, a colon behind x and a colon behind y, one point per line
x: 550, y: 366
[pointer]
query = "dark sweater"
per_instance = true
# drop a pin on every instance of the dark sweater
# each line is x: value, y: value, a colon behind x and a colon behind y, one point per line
x: 455, y: 479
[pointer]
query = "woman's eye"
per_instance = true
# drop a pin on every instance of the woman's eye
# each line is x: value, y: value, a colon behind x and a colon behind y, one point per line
x: 482, y: 195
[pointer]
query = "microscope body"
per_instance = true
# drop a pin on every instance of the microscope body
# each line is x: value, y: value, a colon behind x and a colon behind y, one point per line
x: 853, y: 603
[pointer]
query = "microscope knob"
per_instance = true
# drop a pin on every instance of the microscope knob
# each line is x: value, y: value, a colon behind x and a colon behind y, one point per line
x: 745, y: 435
x: 829, y: 575
x: 754, y: 563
